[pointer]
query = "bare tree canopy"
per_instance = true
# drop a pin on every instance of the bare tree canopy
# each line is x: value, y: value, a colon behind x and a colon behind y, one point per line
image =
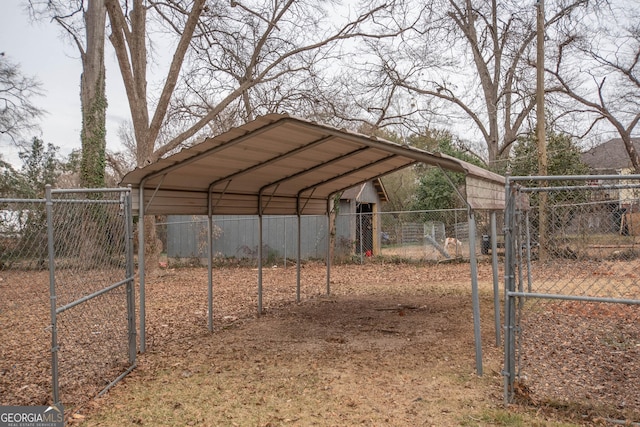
x: 468, y: 65
x: 18, y: 113
x: 192, y: 68
x: 596, y: 65
x: 230, y: 61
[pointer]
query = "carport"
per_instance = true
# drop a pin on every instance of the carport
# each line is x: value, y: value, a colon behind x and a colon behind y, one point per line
x: 278, y: 164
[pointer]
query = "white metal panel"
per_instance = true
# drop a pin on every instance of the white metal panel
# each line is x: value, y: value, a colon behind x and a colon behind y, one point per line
x: 483, y: 194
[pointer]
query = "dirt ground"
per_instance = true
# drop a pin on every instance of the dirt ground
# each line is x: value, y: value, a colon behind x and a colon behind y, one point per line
x: 393, y: 344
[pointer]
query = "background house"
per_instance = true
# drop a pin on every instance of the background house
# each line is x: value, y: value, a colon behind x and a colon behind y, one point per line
x: 357, y: 231
x: 611, y: 158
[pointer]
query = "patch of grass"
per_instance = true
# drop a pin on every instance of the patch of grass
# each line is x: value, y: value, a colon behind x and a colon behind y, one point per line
x: 511, y: 418
x: 494, y: 417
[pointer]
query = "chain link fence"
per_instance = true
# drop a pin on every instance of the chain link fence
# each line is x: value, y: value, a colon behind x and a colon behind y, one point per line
x: 25, y: 340
x: 428, y: 235
x: 67, y: 307
x: 409, y: 235
x: 572, y: 313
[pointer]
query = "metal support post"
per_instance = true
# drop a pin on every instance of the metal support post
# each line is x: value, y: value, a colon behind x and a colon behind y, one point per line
x: 52, y: 297
x: 130, y: 273
x: 528, y: 231
x: 210, y: 269
x: 260, y: 254
x: 474, y: 291
x: 329, y: 246
x: 494, y: 266
x: 298, y: 257
x: 143, y: 345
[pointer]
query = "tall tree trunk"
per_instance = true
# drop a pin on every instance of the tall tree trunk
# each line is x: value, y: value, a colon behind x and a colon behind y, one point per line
x: 93, y: 98
x: 128, y: 38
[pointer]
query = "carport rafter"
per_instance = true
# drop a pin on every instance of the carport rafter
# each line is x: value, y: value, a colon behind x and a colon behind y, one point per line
x: 351, y: 172
x: 269, y: 162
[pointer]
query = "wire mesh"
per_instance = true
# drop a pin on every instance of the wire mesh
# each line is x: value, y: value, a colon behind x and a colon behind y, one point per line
x: 427, y: 235
x: 577, y: 290
x: 25, y: 342
x: 93, y: 291
x: 90, y: 333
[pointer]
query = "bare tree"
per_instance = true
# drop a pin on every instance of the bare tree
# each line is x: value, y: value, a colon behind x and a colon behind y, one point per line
x: 18, y: 113
x: 129, y: 39
x: 93, y: 97
x: 83, y: 21
x: 597, y: 65
x: 472, y: 60
x: 231, y: 61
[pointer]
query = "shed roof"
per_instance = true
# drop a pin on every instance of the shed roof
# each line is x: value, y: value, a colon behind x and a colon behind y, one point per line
x: 278, y: 164
x: 354, y: 193
x: 610, y: 155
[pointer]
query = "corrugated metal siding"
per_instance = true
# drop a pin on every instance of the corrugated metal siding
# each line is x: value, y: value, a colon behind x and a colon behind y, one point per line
x: 238, y: 236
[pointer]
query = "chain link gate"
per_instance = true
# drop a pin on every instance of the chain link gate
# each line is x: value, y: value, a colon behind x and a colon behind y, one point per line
x: 91, y: 272
x: 572, y: 294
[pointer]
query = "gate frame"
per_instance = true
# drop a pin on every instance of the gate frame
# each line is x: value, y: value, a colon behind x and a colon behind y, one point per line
x: 128, y: 281
x: 514, y: 298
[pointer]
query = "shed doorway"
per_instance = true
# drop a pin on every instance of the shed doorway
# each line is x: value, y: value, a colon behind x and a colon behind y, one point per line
x: 364, y: 229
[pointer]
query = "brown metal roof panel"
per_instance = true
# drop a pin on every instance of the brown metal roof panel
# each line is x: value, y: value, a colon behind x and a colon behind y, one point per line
x: 200, y: 150
x: 284, y: 155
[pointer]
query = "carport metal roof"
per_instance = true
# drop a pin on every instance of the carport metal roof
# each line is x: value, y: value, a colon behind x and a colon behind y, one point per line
x: 282, y: 165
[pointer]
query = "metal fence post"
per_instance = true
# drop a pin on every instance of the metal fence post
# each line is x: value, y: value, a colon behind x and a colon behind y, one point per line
x: 509, y: 302
x: 52, y: 296
x: 474, y: 291
x: 494, y: 269
x: 130, y: 272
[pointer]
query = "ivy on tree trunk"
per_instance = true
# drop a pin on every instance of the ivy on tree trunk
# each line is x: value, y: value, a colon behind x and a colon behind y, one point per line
x: 92, y: 166
x: 93, y: 98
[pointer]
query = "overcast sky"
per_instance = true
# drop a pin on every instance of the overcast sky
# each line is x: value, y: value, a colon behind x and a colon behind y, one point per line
x: 42, y: 53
